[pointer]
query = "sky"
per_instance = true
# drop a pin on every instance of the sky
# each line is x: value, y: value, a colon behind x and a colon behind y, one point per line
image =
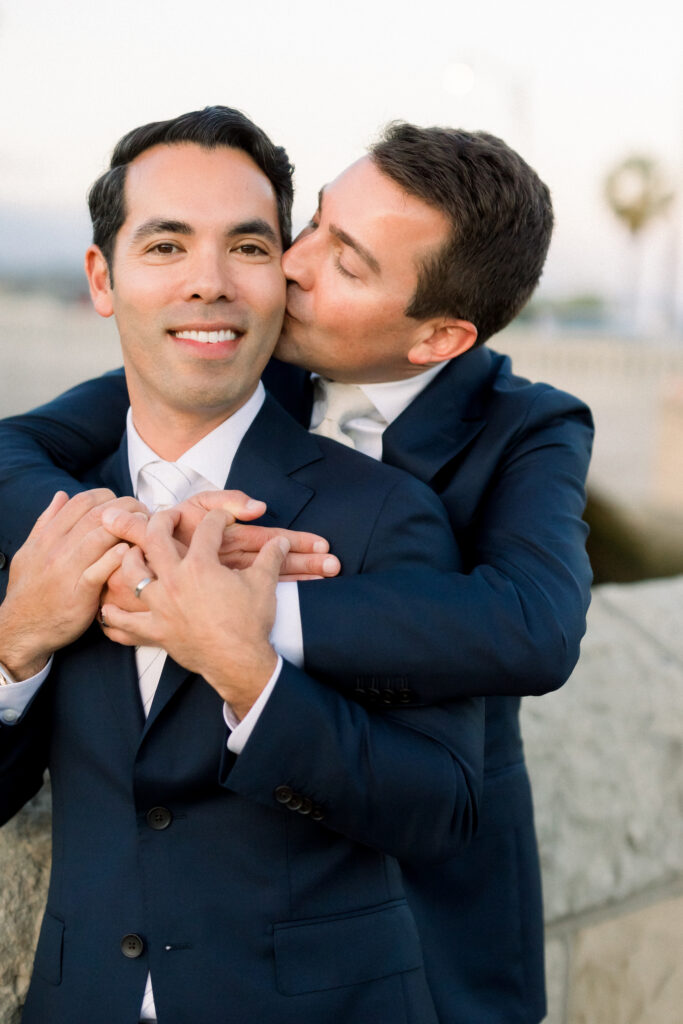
x: 575, y: 87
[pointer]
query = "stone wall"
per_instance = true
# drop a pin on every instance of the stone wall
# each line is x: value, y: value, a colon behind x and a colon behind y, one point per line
x: 606, y: 759
x: 605, y: 754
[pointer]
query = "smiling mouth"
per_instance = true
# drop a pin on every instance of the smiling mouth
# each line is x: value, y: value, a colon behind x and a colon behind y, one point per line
x: 206, y: 337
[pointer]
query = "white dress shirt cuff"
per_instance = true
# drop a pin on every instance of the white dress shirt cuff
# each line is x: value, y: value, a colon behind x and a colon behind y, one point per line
x: 287, y: 636
x: 242, y: 730
x: 16, y: 697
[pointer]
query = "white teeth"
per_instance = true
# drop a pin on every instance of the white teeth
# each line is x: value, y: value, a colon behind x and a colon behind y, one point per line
x: 207, y: 337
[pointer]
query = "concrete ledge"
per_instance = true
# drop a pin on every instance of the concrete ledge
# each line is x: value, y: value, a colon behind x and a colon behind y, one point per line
x: 605, y: 756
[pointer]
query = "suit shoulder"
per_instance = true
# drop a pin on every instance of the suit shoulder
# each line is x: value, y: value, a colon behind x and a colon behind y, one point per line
x: 515, y: 391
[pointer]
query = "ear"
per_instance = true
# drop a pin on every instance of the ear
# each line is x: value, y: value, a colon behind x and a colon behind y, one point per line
x: 441, y: 340
x: 97, y: 272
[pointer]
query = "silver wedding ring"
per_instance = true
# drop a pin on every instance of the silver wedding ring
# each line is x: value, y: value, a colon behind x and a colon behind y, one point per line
x: 143, y: 583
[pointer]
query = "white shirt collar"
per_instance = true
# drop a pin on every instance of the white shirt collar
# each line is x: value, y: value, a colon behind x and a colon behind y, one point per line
x: 211, y: 457
x: 390, y: 398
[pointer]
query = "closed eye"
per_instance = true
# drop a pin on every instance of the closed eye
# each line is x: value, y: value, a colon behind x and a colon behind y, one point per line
x: 343, y: 271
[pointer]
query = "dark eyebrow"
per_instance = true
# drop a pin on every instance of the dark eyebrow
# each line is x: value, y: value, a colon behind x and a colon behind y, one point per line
x: 346, y: 239
x: 254, y: 227
x: 157, y: 226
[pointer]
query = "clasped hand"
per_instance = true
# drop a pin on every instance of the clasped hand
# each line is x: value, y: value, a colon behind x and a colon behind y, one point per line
x: 56, y: 578
x: 211, y: 619
x: 308, y: 557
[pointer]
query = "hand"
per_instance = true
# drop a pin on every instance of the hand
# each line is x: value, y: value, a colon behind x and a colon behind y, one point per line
x: 308, y: 556
x: 213, y: 620
x: 55, y: 579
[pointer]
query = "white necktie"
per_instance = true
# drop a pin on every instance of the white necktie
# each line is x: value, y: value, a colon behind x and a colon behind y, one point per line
x: 161, y: 485
x: 349, y: 414
x: 164, y: 484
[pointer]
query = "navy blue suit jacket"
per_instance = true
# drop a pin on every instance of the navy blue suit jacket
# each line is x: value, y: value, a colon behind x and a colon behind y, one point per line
x: 272, y: 893
x: 508, y: 459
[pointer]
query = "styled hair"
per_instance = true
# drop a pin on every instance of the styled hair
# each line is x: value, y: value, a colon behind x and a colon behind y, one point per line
x: 209, y: 128
x: 500, y: 216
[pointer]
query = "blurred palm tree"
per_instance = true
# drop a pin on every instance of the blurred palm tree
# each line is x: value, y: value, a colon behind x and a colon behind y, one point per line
x: 637, y: 192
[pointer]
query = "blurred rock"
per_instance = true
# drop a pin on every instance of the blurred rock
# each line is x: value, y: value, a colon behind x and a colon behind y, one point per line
x: 630, y: 969
x: 25, y: 848
x: 605, y: 754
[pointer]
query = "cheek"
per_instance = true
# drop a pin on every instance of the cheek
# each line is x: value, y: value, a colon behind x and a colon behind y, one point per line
x: 268, y: 294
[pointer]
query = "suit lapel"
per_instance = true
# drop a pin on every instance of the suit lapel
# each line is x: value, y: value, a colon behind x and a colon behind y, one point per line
x: 113, y: 472
x: 273, y: 448
x: 442, y: 420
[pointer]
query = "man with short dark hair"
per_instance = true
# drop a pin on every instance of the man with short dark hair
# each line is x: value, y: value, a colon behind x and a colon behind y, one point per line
x: 415, y: 256
x: 190, y: 880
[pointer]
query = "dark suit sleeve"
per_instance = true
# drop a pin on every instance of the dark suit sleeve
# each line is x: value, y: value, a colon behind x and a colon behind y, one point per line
x: 74, y: 431
x: 42, y: 451
x: 406, y: 782
x: 512, y: 623
x: 23, y: 755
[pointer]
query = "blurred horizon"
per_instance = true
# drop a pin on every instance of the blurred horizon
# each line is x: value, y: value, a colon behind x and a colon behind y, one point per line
x: 576, y: 97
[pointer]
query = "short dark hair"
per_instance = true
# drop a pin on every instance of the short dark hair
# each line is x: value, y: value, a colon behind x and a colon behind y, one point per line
x: 500, y: 216
x: 209, y: 128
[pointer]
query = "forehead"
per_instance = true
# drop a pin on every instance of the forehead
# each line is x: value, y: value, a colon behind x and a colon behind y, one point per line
x: 373, y: 208
x: 185, y: 181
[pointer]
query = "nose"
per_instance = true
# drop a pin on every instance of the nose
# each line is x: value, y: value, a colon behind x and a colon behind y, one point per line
x: 298, y: 261
x: 209, y: 277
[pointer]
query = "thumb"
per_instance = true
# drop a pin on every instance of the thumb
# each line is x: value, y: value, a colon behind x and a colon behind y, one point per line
x: 271, y: 558
x: 130, y: 526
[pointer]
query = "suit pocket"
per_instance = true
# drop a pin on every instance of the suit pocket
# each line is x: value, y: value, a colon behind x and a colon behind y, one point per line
x: 48, y: 959
x: 346, y: 949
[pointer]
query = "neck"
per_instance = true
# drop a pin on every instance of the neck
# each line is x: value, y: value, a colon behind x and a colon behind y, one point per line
x: 171, y: 433
x: 170, y: 421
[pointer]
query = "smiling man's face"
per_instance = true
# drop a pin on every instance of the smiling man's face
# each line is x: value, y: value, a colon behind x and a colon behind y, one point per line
x: 198, y: 292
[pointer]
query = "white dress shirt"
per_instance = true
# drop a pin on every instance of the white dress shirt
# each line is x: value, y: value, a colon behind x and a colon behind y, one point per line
x: 211, y: 459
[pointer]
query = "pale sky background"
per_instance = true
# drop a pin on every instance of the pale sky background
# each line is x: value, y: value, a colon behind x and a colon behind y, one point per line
x: 575, y: 86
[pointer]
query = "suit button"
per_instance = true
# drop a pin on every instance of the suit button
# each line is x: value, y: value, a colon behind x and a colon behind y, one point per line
x: 373, y: 694
x: 159, y: 818
x: 317, y: 814
x: 3, y: 559
x: 132, y: 946
x: 283, y: 794
x: 388, y: 696
x: 405, y: 696
x: 296, y: 802
x: 306, y: 805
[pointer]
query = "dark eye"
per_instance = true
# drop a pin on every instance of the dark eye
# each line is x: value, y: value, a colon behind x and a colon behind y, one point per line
x: 164, y: 248
x: 251, y: 249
